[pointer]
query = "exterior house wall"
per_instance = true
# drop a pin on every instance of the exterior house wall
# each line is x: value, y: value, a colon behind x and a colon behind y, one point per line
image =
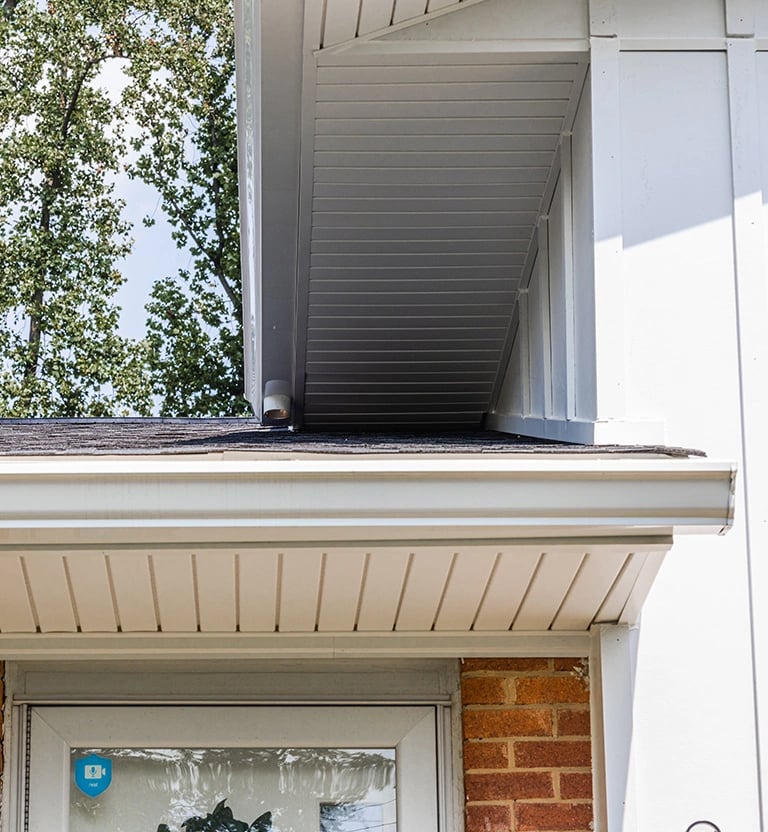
x: 679, y: 312
x: 676, y: 267
x: 682, y: 331
x: 527, y: 755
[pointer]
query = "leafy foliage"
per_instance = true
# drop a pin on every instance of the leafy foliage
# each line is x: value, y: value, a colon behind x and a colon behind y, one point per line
x: 62, y: 237
x: 221, y: 819
x: 188, y: 151
x: 61, y: 233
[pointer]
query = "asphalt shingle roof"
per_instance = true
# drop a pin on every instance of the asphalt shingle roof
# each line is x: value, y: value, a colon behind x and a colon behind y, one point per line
x: 93, y: 437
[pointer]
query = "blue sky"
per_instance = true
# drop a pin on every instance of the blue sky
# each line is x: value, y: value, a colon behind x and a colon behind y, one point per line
x: 154, y: 254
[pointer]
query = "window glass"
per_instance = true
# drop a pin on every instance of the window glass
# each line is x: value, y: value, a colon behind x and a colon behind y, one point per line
x: 233, y: 790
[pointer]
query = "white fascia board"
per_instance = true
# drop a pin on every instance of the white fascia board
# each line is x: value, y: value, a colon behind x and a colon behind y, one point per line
x: 165, y: 646
x: 515, y: 51
x: 415, y: 497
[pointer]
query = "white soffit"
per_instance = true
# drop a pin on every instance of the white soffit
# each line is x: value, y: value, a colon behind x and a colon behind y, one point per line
x: 432, y: 147
x: 341, y: 546
x: 428, y: 182
x: 341, y: 21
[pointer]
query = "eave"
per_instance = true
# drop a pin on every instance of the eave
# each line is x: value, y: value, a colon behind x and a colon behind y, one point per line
x: 336, y: 555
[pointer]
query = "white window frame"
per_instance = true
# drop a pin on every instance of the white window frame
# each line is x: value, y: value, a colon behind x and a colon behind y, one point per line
x: 428, y: 686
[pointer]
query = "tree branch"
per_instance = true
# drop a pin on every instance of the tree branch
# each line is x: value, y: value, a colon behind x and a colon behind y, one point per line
x: 204, y: 249
x: 9, y: 6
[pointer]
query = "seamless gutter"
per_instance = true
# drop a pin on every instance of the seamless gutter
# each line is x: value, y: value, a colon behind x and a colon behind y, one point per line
x: 422, y: 497
x: 222, y: 466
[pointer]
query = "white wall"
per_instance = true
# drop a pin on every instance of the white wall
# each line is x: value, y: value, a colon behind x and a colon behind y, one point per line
x: 694, y: 738
x: 675, y: 309
x: 664, y: 19
x: 677, y: 262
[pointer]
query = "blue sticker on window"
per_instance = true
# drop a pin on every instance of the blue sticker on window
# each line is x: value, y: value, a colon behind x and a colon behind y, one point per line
x: 93, y: 774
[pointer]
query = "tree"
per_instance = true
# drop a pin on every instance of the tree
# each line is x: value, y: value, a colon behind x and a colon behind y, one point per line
x: 187, y: 150
x: 61, y: 232
x: 62, y: 235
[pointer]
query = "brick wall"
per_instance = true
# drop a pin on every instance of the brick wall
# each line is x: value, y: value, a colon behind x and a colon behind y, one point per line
x: 527, y: 754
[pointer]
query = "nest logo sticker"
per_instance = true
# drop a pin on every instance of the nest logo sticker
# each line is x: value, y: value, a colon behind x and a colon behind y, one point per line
x: 93, y: 774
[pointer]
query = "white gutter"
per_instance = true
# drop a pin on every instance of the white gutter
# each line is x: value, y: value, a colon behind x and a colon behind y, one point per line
x: 417, y: 498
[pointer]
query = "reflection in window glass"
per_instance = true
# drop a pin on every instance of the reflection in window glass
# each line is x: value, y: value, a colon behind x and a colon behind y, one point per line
x: 355, y: 817
x: 236, y: 790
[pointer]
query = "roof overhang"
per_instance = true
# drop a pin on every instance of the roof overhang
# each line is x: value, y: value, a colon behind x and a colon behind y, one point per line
x: 325, y: 553
x: 395, y: 160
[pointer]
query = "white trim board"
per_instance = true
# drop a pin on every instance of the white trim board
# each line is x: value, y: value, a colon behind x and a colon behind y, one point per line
x: 199, y: 646
x: 580, y: 431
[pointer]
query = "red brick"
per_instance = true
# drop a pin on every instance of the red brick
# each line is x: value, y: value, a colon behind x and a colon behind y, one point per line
x: 509, y: 665
x: 482, y: 690
x: 570, y: 664
x: 555, y: 754
x: 486, y: 755
x: 509, y: 785
x: 488, y: 819
x: 493, y: 723
x: 538, y: 690
x: 534, y: 817
x: 573, y: 723
x: 575, y: 785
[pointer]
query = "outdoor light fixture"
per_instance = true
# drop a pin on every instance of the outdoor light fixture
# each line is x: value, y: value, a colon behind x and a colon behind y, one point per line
x: 277, y: 402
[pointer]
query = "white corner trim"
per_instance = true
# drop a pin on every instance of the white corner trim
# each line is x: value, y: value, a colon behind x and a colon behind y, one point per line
x: 745, y: 101
x: 611, y: 670
x: 248, y: 67
x: 609, y: 295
